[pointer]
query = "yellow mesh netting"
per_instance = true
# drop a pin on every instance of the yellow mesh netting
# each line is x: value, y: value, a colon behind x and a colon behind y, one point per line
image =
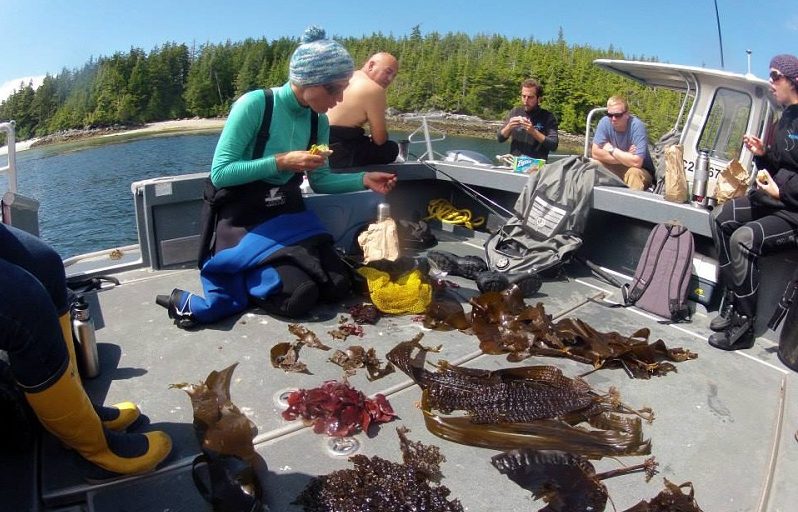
x: 408, y: 294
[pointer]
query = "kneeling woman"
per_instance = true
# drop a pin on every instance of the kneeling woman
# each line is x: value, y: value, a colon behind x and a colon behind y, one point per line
x: 264, y: 245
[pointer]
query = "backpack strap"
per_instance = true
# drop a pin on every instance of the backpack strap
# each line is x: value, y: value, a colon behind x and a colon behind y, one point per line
x: 263, y: 133
x: 314, y: 129
x: 674, y: 293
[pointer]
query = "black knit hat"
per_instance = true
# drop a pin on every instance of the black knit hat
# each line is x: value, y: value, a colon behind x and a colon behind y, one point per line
x: 786, y: 64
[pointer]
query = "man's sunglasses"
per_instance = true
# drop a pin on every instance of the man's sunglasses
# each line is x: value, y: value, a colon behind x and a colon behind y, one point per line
x: 615, y: 114
x: 775, y: 76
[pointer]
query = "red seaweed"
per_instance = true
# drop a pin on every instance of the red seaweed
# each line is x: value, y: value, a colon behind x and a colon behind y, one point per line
x: 338, y: 410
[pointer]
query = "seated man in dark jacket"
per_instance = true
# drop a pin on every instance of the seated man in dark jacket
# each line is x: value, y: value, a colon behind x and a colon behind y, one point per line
x: 533, y: 129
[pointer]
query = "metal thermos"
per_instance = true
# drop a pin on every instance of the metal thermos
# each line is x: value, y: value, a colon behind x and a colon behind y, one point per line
x: 383, y: 212
x: 701, y: 176
x: 83, y: 326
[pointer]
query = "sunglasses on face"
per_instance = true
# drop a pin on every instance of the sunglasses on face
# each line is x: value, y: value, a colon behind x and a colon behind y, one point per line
x: 615, y: 114
x: 775, y: 76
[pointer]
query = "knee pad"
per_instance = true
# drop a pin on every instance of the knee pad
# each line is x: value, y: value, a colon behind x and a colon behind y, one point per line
x: 299, y: 293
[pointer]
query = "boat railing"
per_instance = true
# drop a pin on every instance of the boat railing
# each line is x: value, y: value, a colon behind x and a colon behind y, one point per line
x: 589, y: 126
x: 17, y: 210
x: 11, y: 143
x: 422, y: 135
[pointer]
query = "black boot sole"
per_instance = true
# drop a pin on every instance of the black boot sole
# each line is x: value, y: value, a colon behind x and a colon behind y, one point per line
x: 745, y: 341
x: 465, y: 266
x: 493, y: 281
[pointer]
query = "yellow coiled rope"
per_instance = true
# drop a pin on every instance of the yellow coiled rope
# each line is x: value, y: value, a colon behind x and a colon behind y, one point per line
x: 444, y: 211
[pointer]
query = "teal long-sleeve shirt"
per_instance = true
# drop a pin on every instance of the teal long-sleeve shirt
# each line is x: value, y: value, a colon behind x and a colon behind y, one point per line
x: 289, y: 131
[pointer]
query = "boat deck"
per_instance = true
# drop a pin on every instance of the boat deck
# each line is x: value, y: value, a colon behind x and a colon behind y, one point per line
x: 724, y: 421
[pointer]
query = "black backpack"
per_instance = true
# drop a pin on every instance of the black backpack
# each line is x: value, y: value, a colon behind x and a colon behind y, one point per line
x: 660, y: 283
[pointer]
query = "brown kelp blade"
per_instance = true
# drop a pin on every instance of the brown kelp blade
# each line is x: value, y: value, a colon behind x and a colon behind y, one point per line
x: 548, y: 434
x: 533, y: 406
x: 220, y: 426
x: 209, y: 396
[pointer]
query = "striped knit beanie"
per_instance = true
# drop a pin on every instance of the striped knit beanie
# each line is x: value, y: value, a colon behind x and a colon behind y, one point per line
x: 786, y: 64
x: 319, y: 61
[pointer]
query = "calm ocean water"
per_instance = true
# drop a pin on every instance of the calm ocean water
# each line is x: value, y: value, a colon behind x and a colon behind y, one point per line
x: 84, y: 188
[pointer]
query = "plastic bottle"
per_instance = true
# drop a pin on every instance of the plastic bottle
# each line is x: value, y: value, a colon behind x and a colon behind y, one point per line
x: 83, y: 326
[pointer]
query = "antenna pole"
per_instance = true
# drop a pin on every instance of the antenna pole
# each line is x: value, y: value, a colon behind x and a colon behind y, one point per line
x: 749, y: 60
x: 720, y: 37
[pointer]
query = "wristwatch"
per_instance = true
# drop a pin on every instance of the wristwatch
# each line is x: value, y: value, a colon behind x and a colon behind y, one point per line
x: 611, y: 150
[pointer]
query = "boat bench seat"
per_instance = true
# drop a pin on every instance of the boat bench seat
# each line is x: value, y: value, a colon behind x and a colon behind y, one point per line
x: 650, y: 207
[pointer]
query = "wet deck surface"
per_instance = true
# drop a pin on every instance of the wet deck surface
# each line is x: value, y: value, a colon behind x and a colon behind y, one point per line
x: 724, y: 421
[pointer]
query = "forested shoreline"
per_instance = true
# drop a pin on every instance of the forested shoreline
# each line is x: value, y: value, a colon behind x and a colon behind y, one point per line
x: 456, y: 73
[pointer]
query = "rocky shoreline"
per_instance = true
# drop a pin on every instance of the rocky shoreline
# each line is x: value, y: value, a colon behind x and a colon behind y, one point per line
x: 452, y: 124
x: 465, y: 126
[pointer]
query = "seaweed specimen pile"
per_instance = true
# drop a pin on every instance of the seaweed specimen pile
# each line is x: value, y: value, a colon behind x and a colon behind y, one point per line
x: 504, y: 324
x: 219, y: 425
x: 566, y: 482
x: 336, y: 409
x: 285, y: 355
x: 346, y: 329
x: 376, y: 484
x: 532, y: 406
x: 569, y: 483
x: 365, y: 313
x: 357, y: 357
x: 671, y: 499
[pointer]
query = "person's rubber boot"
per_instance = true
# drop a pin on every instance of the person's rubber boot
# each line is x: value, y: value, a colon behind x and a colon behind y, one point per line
x: 178, y: 307
x: 453, y: 265
x: 738, y: 335
x: 723, y: 320
x: 494, y: 281
x: 116, y: 417
x: 65, y: 410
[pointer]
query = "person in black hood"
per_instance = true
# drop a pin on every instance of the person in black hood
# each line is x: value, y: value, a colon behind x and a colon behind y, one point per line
x: 764, y: 221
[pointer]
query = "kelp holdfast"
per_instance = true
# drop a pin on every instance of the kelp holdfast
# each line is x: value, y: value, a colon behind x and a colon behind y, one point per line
x: 230, y: 484
x: 661, y: 279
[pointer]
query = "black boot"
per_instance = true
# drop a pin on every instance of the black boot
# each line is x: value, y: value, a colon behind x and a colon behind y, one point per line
x: 176, y: 305
x: 453, y: 265
x: 723, y: 320
x: 493, y: 281
x: 738, y: 335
